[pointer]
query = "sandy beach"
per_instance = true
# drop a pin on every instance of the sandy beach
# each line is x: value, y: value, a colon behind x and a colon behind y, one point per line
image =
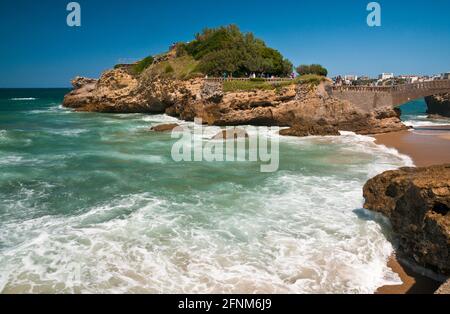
x: 425, y: 145
x: 428, y: 145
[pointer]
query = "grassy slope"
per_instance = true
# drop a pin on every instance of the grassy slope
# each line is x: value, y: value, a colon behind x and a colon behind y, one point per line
x: 233, y: 86
x: 178, y: 68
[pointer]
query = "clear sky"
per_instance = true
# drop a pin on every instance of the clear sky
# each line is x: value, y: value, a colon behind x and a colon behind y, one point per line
x: 38, y: 49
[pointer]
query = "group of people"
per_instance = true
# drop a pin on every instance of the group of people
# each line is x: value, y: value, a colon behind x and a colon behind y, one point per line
x: 254, y: 75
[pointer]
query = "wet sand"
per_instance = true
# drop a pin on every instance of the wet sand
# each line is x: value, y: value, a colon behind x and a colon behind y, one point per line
x: 413, y: 282
x: 425, y: 145
x: 428, y: 145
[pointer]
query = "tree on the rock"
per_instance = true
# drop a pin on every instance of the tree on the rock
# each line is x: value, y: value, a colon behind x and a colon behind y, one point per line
x: 316, y: 69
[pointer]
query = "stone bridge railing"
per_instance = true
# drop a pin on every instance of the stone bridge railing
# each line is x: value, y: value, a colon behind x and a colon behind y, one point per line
x: 221, y: 79
x: 430, y: 85
x: 369, y: 98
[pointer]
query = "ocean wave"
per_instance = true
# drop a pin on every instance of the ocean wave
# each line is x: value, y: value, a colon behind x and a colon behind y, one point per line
x: 160, y: 118
x: 292, y: 232
x: 67, y: 132
x: 140, y: 243
x: 14, y: 160
x: 23, y: 99
x: 55, y: 108
x: 423, y: 120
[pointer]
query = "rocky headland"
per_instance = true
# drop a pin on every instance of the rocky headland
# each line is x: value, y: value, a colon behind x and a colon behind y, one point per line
x: 288, y: 105
x: 417, y: 203
x: 438, y: 105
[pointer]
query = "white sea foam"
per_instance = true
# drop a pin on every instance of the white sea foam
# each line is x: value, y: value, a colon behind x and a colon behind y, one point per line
x: 423, y: 120
x: 23, y: 99
x: 68, y: 132
x: 292, y: 233
x: 160, y: 118
x: 281, y: 242
x: 54, y: 108
x: 13, y: 160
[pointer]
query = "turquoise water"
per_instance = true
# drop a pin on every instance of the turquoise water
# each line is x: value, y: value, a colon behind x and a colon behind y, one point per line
x: 415, y: 114
x: 94, y: 203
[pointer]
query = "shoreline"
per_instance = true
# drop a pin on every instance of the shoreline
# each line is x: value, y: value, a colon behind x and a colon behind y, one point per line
x: 426, y: 146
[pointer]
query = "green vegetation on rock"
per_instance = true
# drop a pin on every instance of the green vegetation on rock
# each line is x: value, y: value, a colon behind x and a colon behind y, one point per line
x: 181, y: 68
x: 225, y: 51
x: 228, y: 50
x: 234, y: 86
x: 311, y: 79
x: 139, y: 67
x: 316, y: 69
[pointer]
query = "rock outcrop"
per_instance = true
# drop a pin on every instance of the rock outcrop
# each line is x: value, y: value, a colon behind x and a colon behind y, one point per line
x: 417, y: 202
x: 118, y: 90
x: 438, y: 105
x: 164, y: 127
x: 444, y: 288
x: 306, y: 128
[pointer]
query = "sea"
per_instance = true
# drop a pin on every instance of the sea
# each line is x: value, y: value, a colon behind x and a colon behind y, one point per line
x: 94, y: 203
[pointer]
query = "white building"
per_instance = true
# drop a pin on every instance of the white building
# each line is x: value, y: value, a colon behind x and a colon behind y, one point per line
x: 348, y: 79
x: 351, y: 77
x: 410, y: 78
x: 445, y: 76
x: 386, y: 76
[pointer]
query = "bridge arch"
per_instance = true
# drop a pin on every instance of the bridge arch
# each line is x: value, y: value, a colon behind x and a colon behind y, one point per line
x: 369, y: 98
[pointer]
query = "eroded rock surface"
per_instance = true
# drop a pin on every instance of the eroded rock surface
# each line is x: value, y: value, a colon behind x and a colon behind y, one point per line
x: 164, y: 127
x: 417, y: 202
x: 444, y: 288
x: 438, y: 105
x: 119, y: 91
x: 305, y: 128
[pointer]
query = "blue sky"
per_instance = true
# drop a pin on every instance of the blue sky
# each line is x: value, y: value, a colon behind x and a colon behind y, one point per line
x: 38, y: 49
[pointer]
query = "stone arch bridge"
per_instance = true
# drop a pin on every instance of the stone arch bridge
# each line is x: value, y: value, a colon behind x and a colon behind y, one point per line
x: 369, y: 98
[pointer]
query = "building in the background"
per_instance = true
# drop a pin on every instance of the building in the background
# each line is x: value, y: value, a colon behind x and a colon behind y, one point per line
x: 349, y: 79
x: 409, y: 78
x: 385, y: 76
x: 445, y: 76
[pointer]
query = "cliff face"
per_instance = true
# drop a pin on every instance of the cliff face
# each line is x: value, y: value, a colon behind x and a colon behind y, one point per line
x: 119, y: 91
x: 417, y: 202
x: 439, y: 105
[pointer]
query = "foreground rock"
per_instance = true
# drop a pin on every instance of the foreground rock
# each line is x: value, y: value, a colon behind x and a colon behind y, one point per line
x: 438, y: 105
x: 444, y: 289
x: 305, y: 128
x: 417, y: 202
x: 231, y: 134
x: 164, y: 127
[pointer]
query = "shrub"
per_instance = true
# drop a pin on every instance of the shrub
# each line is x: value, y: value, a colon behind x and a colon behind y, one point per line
x: 227, y: 49
x: 311, y: 79
x: 257, y: 79
x: 168, y: 69
x: 316, y: 69
x: 139, y: 67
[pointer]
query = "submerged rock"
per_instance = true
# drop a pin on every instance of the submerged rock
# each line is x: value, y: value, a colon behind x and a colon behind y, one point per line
x: 417, y: 202
x: 305, y: 128
x: 438, y: 105
x: 231, y: 134
x: 164, y: 127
